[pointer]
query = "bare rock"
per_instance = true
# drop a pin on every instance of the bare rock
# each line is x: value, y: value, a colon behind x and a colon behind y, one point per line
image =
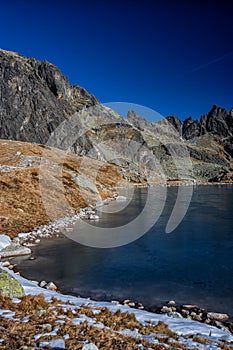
x: 215, y: 316
x: 131, y: 304
x: 42, y: 284
x: 6, y: 263
x: 51, y: 286
x: 57, y: 344
x: 166, y: 309
x: 174, y: 314
x: 85, y: 183
x: 189, y: 306
x: 90, y: 346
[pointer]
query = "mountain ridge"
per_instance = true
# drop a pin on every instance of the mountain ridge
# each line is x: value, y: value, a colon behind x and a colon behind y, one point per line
x: 38, y: 104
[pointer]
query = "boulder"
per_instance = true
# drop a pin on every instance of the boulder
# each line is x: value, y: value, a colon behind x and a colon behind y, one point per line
x: 10, y: 286
x: 14, y: 250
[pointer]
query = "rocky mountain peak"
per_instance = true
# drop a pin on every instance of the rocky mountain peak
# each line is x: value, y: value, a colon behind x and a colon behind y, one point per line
x: 35, y: 98
x: 136, y: 120
x: 176, y: 122
x: 218, y: 121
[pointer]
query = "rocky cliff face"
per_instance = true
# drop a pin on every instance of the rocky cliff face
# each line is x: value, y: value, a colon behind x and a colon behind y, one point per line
x: 36, y: 99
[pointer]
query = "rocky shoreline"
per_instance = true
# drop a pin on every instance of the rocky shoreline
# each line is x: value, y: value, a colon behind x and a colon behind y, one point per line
x: 21, y: 246
x: 172, y: 309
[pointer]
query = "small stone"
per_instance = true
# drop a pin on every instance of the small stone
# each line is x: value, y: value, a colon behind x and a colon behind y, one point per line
x: 171, y: 302
x: 185, y: 312
x: 47, y: 326
x: 222, y: 327
x: 6, y: 263
x: 190, y: 306
x: 217, y: 316
x: 126, y: 301
x: 115, y: 302
x: 10, y: 267
x: 16, y: 240
x: 141, y: 307
x: 93, y: 217
x: 42, y: 284
x: 90, y: 346
x: 131, y: 304
x: 51, y: 286
x: 32, y: 258
x: 166, y: 309
x: 174, y: 314
x: 121, y: 199
x: 57, y: 344
x: 196, y: 317
x: 37, y: 241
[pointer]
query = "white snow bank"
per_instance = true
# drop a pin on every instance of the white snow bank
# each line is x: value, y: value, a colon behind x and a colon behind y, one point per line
x: 179, y: 325
x: 4, y: 241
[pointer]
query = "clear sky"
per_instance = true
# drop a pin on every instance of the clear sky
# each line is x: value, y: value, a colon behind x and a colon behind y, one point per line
x: 175, y: 57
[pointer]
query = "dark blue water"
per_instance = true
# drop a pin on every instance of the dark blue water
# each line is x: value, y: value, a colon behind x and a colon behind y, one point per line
x: 194, y: 264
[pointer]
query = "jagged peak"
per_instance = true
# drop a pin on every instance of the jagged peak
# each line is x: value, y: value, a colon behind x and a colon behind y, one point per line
x: 216, y: 110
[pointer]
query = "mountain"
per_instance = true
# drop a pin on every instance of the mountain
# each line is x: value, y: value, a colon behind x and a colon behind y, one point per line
x: 208, y: 143
x: 38, y: 105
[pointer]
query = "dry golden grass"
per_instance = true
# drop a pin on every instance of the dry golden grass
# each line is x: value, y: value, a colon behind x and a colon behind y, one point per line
x: 21, y: 204
x: 43, y: 316
x: 39, y: 312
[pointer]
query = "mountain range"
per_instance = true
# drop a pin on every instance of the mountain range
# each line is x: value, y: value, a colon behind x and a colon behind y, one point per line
x: 39, y: 105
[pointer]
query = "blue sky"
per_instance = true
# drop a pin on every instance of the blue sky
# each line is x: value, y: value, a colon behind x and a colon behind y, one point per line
x: 175, y: 57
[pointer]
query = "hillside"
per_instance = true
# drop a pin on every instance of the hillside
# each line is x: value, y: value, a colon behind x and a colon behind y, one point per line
x: 21, y: 171
x: 39, y: 105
